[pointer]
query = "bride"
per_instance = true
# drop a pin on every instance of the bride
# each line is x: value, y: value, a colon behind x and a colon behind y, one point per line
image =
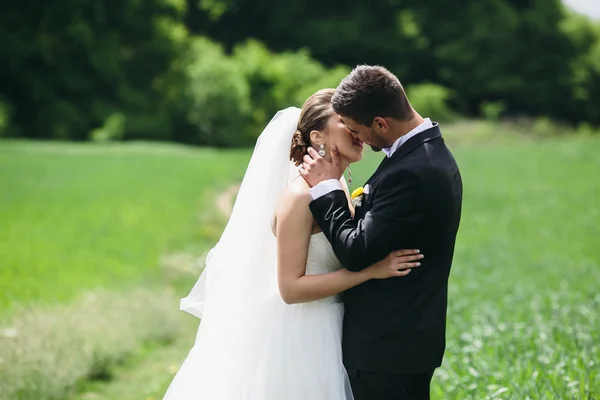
x: 269, y: 297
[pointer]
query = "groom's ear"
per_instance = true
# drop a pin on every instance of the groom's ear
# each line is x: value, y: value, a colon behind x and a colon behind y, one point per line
x: 380, y: 125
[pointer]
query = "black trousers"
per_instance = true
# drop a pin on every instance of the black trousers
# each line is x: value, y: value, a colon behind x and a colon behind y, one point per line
x: 368, y: 385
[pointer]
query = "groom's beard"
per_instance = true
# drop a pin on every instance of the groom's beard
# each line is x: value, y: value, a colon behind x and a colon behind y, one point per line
x: 377, y: 142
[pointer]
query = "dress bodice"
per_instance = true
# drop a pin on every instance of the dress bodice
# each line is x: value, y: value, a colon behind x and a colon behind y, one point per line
x: 321, y: 258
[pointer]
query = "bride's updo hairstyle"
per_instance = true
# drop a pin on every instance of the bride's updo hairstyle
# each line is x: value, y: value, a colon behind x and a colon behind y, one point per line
x: 313, y: 117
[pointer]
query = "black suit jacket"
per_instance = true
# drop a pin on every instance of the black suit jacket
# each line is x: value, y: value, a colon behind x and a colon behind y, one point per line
x: 398, y: 325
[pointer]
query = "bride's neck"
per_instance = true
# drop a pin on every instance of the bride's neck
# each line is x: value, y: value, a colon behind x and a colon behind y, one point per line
x: 344, y: 164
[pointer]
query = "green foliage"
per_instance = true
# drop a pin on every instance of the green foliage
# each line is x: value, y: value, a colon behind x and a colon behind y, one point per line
x: 70, y: 66
x: 113, y: 129
x: 5, y: 115
x: 585, y: 68
x: 228, y: 99
x: 492, y: 110
x: 280, y: 80
x: 327, y: 78
x: 585, y: 130
x: 543, y: 126
x: 217, y: 94
x: 500, y: 50
x: 431, y: 100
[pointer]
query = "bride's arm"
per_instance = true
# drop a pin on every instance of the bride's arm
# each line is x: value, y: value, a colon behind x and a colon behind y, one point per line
x: 294, y: 227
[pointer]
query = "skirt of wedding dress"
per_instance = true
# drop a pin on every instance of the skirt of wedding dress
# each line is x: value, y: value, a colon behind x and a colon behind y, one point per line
x: 280, y: 352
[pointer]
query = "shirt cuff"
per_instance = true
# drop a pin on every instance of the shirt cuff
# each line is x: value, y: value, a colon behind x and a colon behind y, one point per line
x: 325, y: 187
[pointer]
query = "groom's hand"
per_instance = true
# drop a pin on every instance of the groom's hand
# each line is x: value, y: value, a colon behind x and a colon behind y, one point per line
x: 317, y: 169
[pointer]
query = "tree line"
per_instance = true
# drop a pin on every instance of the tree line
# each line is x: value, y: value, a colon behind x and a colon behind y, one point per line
x: 212, y: 72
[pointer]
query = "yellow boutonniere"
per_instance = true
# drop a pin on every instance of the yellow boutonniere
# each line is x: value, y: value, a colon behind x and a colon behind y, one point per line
x: 357, y: 196
x: 358, y: 192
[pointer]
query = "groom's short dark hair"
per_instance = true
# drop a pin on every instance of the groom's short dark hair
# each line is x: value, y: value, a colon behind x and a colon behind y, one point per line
x: 371, y: 91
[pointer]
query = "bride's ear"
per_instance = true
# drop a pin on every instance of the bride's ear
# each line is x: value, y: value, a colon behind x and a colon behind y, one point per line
x: 317, y: 138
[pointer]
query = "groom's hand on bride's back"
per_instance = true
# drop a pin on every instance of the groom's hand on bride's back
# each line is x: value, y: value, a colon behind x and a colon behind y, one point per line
x: 317, y: 169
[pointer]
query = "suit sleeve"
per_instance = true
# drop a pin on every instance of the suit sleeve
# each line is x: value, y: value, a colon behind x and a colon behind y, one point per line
x: 390, y: 224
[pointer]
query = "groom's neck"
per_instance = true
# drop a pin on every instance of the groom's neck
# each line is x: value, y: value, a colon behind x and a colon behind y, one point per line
x: 401, y: 128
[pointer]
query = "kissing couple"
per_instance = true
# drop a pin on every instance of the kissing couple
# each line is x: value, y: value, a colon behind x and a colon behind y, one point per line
x: 313, y: 293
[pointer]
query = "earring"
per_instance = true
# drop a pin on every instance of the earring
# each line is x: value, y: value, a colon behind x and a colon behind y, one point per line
x: 349, y: 176
x: 322, y: 150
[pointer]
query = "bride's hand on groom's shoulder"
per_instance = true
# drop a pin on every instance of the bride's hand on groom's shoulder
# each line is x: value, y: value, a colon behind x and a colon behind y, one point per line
x: 317, y: 169
x: 397, y: 263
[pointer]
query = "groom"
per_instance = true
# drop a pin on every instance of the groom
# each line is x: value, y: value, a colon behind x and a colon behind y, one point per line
x: 394, y: 329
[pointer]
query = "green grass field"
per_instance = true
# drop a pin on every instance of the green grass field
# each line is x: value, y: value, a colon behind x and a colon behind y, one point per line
x: 79, y: 216
x: 88, y: 235
x: 524, y: 316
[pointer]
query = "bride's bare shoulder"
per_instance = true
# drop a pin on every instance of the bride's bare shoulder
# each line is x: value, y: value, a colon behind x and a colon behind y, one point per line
x: 293, y: 205
x: 295, y: 200
x: 296, y: 193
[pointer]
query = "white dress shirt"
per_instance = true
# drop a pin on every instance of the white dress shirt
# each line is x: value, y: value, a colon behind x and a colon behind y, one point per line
x: 389, y: 151
x: 333, y: 184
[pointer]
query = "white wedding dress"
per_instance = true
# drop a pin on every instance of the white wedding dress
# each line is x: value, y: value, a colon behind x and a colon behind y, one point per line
x: 297, y: 357
x: 250, y: 344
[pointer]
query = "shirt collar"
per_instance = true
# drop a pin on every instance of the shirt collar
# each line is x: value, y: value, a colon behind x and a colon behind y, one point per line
x: 389, y: 151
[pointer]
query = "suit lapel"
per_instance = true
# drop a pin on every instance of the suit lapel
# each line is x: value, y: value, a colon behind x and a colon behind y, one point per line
x: 381, y: 166
x: 416, y: 141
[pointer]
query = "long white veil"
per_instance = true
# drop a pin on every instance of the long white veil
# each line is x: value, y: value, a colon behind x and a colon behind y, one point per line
x: 240, y: 272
